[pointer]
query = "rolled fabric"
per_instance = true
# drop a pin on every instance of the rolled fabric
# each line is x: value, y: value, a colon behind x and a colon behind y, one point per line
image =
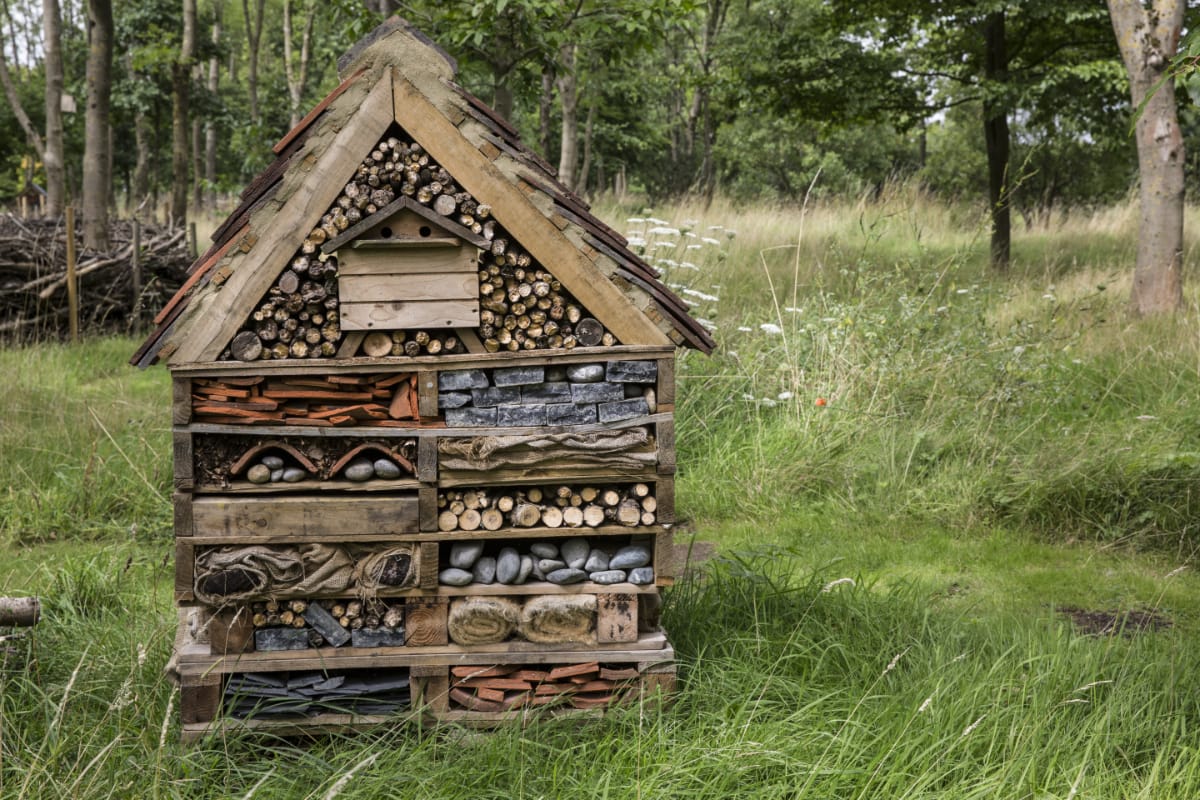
x: 394, y: 567
x: 558, y: 618
x: 482, y: 620
x: 224, y: 574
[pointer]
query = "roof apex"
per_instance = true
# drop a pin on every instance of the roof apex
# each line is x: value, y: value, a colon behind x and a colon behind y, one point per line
x: 396, y: 43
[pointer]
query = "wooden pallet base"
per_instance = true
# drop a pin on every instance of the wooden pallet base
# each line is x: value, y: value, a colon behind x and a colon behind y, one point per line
x: 439, y: 685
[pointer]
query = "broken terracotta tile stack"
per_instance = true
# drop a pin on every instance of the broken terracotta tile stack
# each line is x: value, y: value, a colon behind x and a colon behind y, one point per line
x: 424, y: 429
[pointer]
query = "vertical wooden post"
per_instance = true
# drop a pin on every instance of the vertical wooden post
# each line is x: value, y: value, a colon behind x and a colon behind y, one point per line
x: 135, y: 267
x: 72, y: 282
x: 192, y: 244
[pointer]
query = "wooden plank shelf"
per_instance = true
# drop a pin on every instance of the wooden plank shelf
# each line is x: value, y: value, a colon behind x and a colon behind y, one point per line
x: 476, y: 590
x: 414, y: 429
x: 334, y: 366
x: 439, y: 536
x: 545, y: 476
x: 195, y: 659
x: 246, y: 487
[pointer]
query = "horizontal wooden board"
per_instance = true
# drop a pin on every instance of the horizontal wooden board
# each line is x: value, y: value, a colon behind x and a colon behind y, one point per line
x: 415, y: 286
x: 305, y: 517
x: 409, y: 314
x: 308, y: 366
x: 406, y: 259
x: 246, y: 487
x: 283, y: 537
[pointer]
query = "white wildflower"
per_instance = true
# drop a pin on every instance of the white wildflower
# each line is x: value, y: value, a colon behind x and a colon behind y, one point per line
x: 771, y: 328
x: 710, y: 240
x: 635, y: 220
x: 941, y: 309
x: 793, y: 310
x: 688, y: 265
x: 925, y: 706
x: 636, y: 241
x: 689, y: 234
x: 967, y: 731
x: 768, y: 402
x: 784, y: 396
x: 744, y: 329
x: 701, y: 295
x: 749, y: 398
x: 667, y: 245
x: 1019, y: 350
x: 656, y: 221
x: 1048, y: 297
x: 829, y: 587
x: 1146, y: 417
x: 693, y: 247
x: 663, y: 230
x: 962, y: 291
x: 712, y: 326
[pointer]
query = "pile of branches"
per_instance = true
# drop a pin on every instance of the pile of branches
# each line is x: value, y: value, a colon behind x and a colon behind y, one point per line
x: 33, y: 278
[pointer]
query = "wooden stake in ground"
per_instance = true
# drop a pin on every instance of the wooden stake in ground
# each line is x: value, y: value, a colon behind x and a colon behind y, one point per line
x: 72, y: 280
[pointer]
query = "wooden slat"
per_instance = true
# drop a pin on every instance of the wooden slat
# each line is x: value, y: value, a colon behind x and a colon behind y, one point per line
x: 425, y: 622
x: 427, y: 500
x: 579, y: 355
x: 664, y: 434
x: 427, y: 573
x: 304, y: 518
x: 616, y: 618
x: 182, y: 503
x: 512, y: 209
x: 181, y: 401
x: 409, y: 314
x: 410, y: 261
x: 432, y: 534
x: 200, y: 697
x: 231, y: 630
x: 666, y: 380
x: 427, y: 394
x: 214, y: 318
x: 663, y: 548
x: 185, y: 566
x: 664, y: 493
x: 183, y: 460
x: 351, y: 341
x: 246, y: 487
x: 408, y: 287
x: 427, y: 459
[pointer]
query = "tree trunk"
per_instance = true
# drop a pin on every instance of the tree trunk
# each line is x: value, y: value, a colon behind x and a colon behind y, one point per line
x: 96, y: 163
x: 141, y: 169
x: 996, y: 139
x: 210, y: 127
x: 181, y: 79
x: 502, y: 95
x: 52, y: 155
x: 197, y: 143
x: 296, y: 76
x: 545, y: 104
x: 1148, y: 39
x: 586, y: 167
x: 254, y: 37
x: 568, y: 158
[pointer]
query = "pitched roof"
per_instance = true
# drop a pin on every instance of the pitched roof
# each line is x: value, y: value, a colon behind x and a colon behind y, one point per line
x: 396, y: 75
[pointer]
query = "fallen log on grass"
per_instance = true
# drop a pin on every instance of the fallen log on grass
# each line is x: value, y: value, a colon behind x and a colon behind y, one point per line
x: 21, y: 612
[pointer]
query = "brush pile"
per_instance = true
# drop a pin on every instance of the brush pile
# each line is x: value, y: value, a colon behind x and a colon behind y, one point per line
x: 33, y: 277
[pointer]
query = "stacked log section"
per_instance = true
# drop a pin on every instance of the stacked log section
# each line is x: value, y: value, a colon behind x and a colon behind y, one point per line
x: 333, y: 401
x: 604, y: 561
x: 380, y: 344
x: 562, y: 506
x: 302, y: 624
x: 523, y: 305
x: 510, y: 687
x: 299, y: 316
x: 220, y: 461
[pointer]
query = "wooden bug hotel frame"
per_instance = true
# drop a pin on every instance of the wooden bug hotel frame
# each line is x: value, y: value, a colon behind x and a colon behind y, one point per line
x: 423, y: 427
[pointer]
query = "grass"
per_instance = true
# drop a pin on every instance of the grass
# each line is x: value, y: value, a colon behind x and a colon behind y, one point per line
x: 884, y: 618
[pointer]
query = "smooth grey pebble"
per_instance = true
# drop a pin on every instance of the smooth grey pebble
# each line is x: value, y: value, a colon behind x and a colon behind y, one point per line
x: 360, y: 469
x: 485, y: 570
x: 387, y: 469
x: 259, y: 473
x: 455, y: 577
x: 548, y: 565
x: 608, y: 576
x: 294, y: 475
x: 508, y: 565
x: 272, y: 462
x: 567, y: 575
x: 276, y: 475
x: 630, y: 556
x: 641, y: 576
x: 526, y: 568
x: 544, y: 549
x: 575, y: 552
x: 464, y: 554
x: 597, y: 561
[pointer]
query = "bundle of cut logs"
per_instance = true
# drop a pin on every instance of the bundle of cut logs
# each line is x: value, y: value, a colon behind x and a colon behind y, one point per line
x: 333, y: 401
x: 33, y: 276
x: 591, y: 685
x: 298, y: 624
x: 551, y: 507
x: 524, y: 307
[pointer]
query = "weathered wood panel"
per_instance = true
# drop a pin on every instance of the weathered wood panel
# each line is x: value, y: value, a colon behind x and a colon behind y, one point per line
x: 418, y: 286
x: 305, y: 517
x: 409, y: 314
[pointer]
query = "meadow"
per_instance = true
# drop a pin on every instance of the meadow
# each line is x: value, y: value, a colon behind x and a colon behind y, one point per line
x: 917, y: 473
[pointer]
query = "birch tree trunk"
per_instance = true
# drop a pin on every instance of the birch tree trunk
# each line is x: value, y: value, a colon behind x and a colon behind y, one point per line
x: 1148, y: 37
x: 97, y: 176
x: 296, y: 75
x: 254, y: 38
x: 52, y: 153
x: 210, y: 127
x: 568, y: 159
x: 181, y: 78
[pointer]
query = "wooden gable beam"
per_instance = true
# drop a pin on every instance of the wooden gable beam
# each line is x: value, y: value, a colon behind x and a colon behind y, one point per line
x: 528, y: 226
x: 218, y: 315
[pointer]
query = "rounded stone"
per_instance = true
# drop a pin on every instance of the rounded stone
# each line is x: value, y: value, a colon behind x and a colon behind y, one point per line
x: 455, y: 577
x: 597, y: 561
x: 575, y: 552
x: 631, y: 556
x: 508, y: 565
x: 585, y: 373
x: 567, y: 575
x: 548, y: 565
x: 525, y: 570
x: 387, y: 469
x: 485, y: 570
x: 641, y: 576
x: 276, y: 475
x: 608, y: 576
x: 273, y: 462
x: 360, y: 469
x: 544, y: 549
x: 259, y: 473
x: 293, y: 475
x: 464, y: 554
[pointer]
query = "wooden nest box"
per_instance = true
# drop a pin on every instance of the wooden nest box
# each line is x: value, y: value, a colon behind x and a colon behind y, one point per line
x: 423, y: 430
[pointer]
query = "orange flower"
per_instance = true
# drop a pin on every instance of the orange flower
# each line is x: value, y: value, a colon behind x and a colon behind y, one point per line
x: 821, y: 401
